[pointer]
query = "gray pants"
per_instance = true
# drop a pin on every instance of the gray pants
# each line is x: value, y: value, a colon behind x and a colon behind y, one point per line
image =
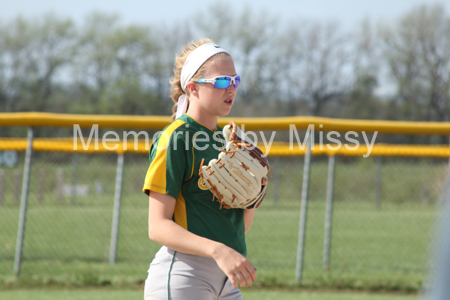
x: 178, y: 276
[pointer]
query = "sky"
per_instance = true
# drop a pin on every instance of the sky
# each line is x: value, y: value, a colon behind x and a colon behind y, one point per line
x: 348, y: 12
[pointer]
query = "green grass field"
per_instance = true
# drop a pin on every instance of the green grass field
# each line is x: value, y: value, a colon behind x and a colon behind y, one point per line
x: 248, y: 294
x: 373, y: 249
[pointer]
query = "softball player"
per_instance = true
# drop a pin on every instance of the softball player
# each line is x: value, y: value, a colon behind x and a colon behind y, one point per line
x: 203, y: 252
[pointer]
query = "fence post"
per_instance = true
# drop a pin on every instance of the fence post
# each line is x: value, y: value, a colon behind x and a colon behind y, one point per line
x: 329, y: 212
x: 276, y: 179
x: 74, y: 178
x: 41, y: 189
x: 17, y: 177
x: 378, y: 182
x: 116, y: 211
x: 2, y: 187
x: 23, y: 203
x: 59, y: 185
x: 303, y: 211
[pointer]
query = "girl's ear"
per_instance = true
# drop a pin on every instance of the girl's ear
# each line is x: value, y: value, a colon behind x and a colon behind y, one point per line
x: 192, y: 87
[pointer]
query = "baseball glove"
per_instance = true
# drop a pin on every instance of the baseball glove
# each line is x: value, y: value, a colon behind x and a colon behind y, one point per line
x: 237, y: 178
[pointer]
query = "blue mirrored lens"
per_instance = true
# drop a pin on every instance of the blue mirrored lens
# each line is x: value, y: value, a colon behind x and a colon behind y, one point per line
x: 238, y: 81
x: 222, y: 83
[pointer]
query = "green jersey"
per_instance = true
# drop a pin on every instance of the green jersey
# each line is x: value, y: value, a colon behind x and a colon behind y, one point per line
x: 175, y: 158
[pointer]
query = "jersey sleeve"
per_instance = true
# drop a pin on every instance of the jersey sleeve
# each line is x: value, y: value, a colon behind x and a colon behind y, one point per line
x: 168, y: 164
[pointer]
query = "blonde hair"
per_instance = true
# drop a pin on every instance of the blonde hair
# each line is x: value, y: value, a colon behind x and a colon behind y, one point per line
x: 175, y: 82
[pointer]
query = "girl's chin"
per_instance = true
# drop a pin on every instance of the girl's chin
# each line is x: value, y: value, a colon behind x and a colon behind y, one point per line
x: 225, y: 112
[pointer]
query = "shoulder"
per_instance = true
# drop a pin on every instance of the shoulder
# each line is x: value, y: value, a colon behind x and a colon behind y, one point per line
x: 175, y: 130
x: 172, y: 133
x: 176, y: 126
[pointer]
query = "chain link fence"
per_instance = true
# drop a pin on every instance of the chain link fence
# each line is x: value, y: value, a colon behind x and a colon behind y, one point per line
x: 383, y: 213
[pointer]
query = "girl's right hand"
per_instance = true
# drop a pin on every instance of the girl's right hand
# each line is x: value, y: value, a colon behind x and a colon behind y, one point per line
x: 237, y: 268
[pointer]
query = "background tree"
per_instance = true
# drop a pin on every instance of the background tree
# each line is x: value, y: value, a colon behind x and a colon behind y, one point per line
x: 417, y: 53
x: 34, y: 55
x: 315, y: 56
x: 117, y: 69
x: 362, y: 101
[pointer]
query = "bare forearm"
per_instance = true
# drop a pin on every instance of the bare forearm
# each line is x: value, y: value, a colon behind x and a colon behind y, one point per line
x: 163, y: 230
x: 248, y: 218
x: 175, y: 237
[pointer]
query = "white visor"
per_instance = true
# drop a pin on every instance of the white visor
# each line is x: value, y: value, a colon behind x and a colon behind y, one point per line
x: 193, y: 62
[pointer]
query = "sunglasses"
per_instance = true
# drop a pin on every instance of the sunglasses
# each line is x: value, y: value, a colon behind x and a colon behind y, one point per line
x: 222, y: 82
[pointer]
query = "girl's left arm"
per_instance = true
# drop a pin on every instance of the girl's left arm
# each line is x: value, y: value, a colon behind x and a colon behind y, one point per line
x: 248, y: 218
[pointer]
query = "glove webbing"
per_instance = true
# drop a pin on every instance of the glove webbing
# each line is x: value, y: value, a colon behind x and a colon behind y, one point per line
x: 215, y: 192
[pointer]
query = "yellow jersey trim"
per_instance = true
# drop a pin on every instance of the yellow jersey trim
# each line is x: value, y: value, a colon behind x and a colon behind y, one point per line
x: 179, y: 214
x: 155, y: 179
